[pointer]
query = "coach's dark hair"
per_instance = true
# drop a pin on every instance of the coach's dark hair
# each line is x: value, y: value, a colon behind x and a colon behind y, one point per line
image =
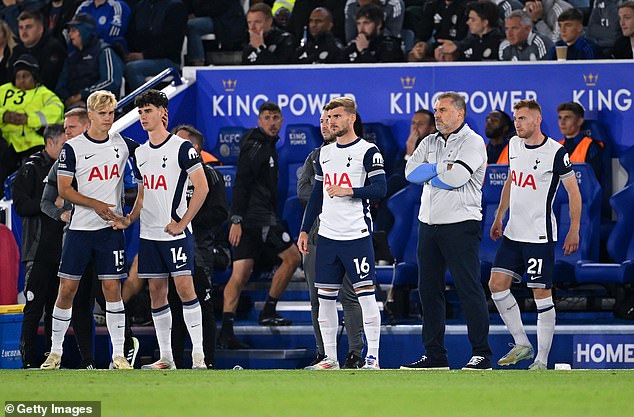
x: 485, y: 10
x: 153, y: 97
x: 371, y: 12
x: 195, y: 133
x: 576, y: 108
x: 269, y: 106
x: 262, y: 8
x: 529, y: 104
x: 456, y: 99
x: 571, y: 14
x: 53, y: 131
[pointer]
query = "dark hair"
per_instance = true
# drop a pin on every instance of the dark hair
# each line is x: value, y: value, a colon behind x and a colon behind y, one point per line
x: 154, y: 97
x: 262, y: 8
x: 269, y: 106
x: 427, y: 112
x: 195, y: 133
x: 31, y: 14
x: 371, y: 12
x: 485, y: 10
x: 576, y: 108
x: 53, y: 131
x: 357, y: 126
x: 529, y: 104
x: 571, y: 14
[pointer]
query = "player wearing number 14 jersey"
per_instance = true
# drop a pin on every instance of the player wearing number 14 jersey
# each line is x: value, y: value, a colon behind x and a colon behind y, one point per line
x: 164, y: 164
x: 348, y: 174
x: 536, y: 166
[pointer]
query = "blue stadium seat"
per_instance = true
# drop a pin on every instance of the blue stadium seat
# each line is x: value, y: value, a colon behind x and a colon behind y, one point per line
x: 627, y: 162
x: 300, y: 140
x: 229, y: 174
x: 381, y: 135
x: 293, y: 215
x: 8, y: 186
x: 620, y: 246
x: 227, y: 147
x: 491, y: 191
x: 589, y: 233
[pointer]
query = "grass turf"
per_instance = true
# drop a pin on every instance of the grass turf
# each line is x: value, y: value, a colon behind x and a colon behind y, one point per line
x: 339, y: 393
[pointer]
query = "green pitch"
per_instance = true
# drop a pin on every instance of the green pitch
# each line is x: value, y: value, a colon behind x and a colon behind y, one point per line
x: 332, y: 393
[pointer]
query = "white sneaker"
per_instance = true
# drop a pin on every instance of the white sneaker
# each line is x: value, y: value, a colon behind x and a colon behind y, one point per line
x: 160, y: 364
x: 326, y: 364
x: 371, y: 363
x: 198, y: 361
x: 52, y: 361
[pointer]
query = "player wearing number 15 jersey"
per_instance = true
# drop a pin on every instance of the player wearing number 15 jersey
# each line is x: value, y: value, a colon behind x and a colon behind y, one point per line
x: 537, y: 164
x: 163, y: 166
x: 348, y: 174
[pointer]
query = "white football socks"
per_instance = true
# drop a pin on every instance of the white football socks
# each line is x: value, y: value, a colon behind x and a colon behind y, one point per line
x: 545, y: 327
x: 61, y: 321
x: 115, y: 321
x: 328, y: 321
x: 371, y: 321
x: 194, y: 320
x: 510, y: 313
x: 162, y: 318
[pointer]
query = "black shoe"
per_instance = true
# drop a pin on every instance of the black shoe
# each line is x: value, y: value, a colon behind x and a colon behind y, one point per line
x: 318, y: 358
x: 274, y: 320
x: 131, y: 348
x: 478, y: 363
x: 353, y: 361
x: 230, y: 342
x: 427, y: 364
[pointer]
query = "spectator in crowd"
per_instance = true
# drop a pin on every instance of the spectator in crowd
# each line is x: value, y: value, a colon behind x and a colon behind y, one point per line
x: 371, y: 45
x: 255, y: 228
x: 624, y: 46
x: 302, y: 10
x: 56, y: 13
x: 498, y: 128
x: 224, y: 18
x: 267, y: 44
x: 11, y: 9
x: 450, y: 231
x: 207, y: 225
x: 544, y: 15
x: 521, y: 43
x: 93, y: 64
x: 571, y: 32
x: 112, y: 18
x: 505, y: 7
x: 483, y: 41
x: 41, y: 244
x: 351, y: 309
x: 441, y: 20
x: 603, y: 27
x: 393, y: 15
x: 7, y: 45
x: 321, y: 47
x: 28, y: 107
x: 48, y: 51
x: 282, y: 11
x: 581, y: 148
x: 155, y: 39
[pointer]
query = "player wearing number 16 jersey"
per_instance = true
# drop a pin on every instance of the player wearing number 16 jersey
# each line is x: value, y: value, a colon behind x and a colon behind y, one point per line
x: 163, y: 166
x: 348, y: 174
x: 537, y: 164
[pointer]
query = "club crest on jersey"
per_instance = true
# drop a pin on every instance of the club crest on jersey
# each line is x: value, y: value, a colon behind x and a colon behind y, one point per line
x: 164, y: 161
x: 154, y: 182
x: 537, y: 162
x: 349, y: 160
x: 523, y: 180
x: 104, y: 173
x: 116, y: 151
x: 342, y: 180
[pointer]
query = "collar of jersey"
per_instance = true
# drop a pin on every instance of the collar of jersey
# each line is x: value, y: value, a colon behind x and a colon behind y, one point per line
x: 455, y: 132
x: 160, y: 144
x: 537, y: 146
x: 95, y: 140
x: 349, y: 144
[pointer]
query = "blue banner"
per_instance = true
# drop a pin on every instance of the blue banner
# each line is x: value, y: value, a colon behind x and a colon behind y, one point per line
x: 603, y: 351
x: 390, y: 94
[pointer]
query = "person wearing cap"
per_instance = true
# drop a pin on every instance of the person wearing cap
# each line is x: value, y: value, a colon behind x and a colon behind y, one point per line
x: 92, y: 66
x: 27, y: 108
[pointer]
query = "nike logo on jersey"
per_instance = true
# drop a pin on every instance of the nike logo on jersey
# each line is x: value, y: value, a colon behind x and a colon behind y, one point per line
x: 89, y: 156
x: 512, y: 157
x: 120, y: 269
x: 326, y: 161
x: 180, y: 266
x: 363, y: 276
x: 195, y: 325
x: 140, y: 165
x: 535, y: 277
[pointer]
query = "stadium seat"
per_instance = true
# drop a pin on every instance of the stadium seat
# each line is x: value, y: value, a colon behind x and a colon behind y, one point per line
x: 620, y: 246
x: 627, y: 162
x: 589, y: 233
x: 293, y: 215
x: 8, y: 186
x: 227, y: 147
x: 229, y: 174
x: 10, y: 261
x: 381, y: 135
x: 491, y: 191
x: 299, y: 141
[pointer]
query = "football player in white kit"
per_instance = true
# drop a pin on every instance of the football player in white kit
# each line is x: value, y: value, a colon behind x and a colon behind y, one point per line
x: 537, y: 164
x: 348, y: 174
x: 163, y: 166
x: 90, y: 175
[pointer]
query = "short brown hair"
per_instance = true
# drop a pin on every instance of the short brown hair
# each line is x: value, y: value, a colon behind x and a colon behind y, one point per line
x: 346, y: 102
x: 576, y: 108
x: 629, y: 4
x: 195, y: 133
x: 78, y: 112
x: 456, y: 99
x: 529, y: 104
x: 263, y: 8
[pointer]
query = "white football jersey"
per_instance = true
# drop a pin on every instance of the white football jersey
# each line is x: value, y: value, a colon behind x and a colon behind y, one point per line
x: 163, y: 169
x: 535, y: 173
x: 348, y: 166
x: 97, y: 168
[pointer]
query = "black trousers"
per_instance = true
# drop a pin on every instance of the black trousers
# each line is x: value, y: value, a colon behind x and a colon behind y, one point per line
x: 455, y: 246
x: 202, y: 286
